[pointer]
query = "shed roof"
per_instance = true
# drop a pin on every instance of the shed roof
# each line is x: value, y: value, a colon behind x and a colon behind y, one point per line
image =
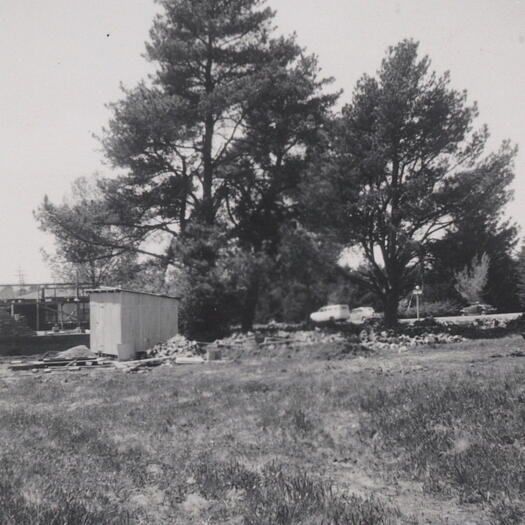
x: 111, y: 289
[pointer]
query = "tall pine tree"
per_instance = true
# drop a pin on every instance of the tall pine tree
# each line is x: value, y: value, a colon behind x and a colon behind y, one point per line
x: 402, y: 154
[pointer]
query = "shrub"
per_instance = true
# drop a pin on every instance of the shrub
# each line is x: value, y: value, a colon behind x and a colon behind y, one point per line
x: 431, y: 309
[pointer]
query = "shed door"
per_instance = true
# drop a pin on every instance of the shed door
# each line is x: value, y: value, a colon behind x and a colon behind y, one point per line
x: 105, y: 328
x: 96, y: 327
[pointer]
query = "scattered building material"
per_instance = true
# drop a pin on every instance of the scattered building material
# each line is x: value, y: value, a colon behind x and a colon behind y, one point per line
x: 190, y: 360
x: 213, y: 353
x: 238, y: 342
x: 142, y: 364
x: 69, y: 364
x: 138, y: 364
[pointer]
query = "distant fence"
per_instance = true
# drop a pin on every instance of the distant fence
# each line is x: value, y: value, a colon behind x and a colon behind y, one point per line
x: 40, y: 344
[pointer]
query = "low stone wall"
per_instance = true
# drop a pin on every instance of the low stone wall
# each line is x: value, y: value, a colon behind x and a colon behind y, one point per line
x: 40, y: 344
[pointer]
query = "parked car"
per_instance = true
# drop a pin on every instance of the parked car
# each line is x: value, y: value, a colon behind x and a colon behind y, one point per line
x: 361, y: 314
x: 331, y: 312
x: 478, y: 309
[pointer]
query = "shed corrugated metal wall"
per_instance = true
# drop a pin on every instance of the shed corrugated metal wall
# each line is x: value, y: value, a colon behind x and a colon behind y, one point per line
x: 124, y: 323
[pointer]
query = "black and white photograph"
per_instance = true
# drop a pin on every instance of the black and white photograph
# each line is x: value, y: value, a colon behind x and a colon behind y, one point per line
x: 262, y: 262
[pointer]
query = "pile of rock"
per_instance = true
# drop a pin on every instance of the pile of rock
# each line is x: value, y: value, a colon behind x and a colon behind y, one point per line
x: 238, y: 339
x: 318, y: 337
x: 387, y: 340
x: 251, y: 342
x: 178, y: 345
x: 301, y: 338
x: 236, y: 344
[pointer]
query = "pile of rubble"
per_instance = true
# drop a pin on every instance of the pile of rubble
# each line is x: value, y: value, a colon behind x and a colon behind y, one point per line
x: 401, y: 342
x: 250, y: 342
x: 318, y: 336
x: 238, y: 341
x: 280, y: 338
x: 178, y: 345
x: 76, y: 352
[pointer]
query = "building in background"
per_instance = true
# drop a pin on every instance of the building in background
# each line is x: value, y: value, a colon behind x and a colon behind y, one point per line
x: 47, y: 305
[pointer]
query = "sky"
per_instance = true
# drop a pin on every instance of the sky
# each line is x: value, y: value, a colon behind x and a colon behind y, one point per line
x: 62, y: 61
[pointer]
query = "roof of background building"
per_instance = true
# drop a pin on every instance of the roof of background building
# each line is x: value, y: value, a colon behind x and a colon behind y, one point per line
x: 111, y: 289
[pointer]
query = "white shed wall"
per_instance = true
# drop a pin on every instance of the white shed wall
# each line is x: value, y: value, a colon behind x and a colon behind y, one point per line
x: 148, y: 320
x: 134, y: 320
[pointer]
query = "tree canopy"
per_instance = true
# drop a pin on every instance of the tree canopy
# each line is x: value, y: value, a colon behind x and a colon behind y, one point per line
x: 233, y: 169
x: 85, y: 248
x: 404, y: 159
x: 175, y: 135
x: 213, y: 145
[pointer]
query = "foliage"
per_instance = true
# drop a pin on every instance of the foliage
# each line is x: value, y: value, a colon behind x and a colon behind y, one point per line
x: 302, y: 276
x: 216, y: 140
x: 404, y: 157
x: 175, y: 134
x: 479, y: 226
x: 284, y: 121
x: 471, y: 281
x: 521, y: 276
x: 87, y: 249
x: 233, y: 136
x: 206, y: 281
x: 430, y: 309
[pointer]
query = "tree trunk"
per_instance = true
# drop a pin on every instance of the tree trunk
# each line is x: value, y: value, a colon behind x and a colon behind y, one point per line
x: 207, y: 182
x: 391, y: 303
x: 250, y: 304
x: 207, y: 143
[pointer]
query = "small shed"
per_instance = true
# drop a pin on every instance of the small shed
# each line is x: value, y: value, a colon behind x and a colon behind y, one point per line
x: 126, y: 322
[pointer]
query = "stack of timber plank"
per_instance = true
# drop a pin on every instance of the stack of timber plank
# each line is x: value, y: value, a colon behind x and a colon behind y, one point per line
x: 55, y: 363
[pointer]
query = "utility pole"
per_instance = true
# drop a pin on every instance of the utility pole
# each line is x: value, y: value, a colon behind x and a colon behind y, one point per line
x: 77, y: 300
x: 417, y: 292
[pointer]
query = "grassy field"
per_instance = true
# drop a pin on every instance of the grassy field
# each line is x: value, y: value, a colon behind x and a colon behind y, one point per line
x: 432, y: 435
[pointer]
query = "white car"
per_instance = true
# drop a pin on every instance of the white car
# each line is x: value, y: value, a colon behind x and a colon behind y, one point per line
x: 332, y: 312
x: 361, y: 314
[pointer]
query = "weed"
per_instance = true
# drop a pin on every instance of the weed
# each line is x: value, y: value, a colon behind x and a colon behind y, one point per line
x: 465, y: 437
x: 53, y: 507
x: 274, y: 496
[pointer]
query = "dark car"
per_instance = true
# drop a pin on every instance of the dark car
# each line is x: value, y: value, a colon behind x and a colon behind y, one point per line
x: 478, y: 309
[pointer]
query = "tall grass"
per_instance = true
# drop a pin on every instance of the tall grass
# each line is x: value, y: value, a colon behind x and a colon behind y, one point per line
x: 275, y: 496
x: 461, y: 437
